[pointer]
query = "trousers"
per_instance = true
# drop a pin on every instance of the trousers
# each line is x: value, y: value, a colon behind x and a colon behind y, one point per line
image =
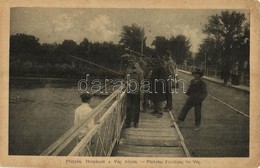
x: 186, y: 108
x: 168, y: 96
x: 158, y: 106
x: 133, y: 108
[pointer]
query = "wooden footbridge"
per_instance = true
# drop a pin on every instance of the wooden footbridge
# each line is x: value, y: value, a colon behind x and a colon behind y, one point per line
x: 155, y: 137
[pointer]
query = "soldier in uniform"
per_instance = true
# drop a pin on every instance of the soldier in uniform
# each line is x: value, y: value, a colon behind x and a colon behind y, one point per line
x: 158, y: 83
x: 134, y: 76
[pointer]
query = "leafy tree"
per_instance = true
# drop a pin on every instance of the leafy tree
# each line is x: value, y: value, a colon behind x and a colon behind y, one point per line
x: 241, y: 47
x: 161, y: 45
x: 22, y: 43
x: 68, y: 47
x: 132, y: 37
x: 209, y: 53
x: 47, y: 53
x: 227, y: 30
x: 24, y: 47
x: 180, y: 48
x: 190, y: 60
x: 84, y: 48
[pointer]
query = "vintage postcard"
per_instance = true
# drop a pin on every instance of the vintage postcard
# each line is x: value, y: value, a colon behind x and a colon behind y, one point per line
x: 155, y: 83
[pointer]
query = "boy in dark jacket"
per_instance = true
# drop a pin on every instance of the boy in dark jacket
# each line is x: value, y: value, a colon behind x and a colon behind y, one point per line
x: 197, y: 92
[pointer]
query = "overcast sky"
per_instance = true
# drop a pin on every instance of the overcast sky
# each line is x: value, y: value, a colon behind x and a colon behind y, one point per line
x: 57, y: 24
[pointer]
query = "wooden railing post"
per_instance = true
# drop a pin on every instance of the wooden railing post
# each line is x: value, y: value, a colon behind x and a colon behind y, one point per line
x: 118, y: 117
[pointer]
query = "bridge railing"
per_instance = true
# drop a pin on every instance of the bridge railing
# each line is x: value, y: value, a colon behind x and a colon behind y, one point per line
x: 211, y: 72
x: 108, y: 118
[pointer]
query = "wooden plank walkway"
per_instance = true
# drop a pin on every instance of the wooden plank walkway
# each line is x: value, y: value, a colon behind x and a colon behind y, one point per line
x: 153, y: 138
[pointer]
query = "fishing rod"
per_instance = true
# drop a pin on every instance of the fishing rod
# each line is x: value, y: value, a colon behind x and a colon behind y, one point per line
x: 100, y: 66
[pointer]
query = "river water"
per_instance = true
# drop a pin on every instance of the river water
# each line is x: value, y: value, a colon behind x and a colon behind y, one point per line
x: 39, y: 115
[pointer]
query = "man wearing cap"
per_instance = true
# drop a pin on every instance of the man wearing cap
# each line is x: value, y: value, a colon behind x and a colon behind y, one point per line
x: 82, y: 113
x: 197, y: 92
x: 134, y: 76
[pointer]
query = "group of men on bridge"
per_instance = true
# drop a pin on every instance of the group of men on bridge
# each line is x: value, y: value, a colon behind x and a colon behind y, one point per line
x: 149, y: 81
x: 155, y: 78
x: 142, y: 71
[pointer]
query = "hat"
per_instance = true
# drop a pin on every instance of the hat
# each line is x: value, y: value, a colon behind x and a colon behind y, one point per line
x: 137, y: 53
x: 131, y: 58
x: 168, y: 53
x: 158, y: 61
x: 85, y: 97
x: 125, y: 55
x: 198, y: 72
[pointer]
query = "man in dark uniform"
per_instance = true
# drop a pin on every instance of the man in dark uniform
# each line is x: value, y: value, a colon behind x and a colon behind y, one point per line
x: 197, y: 92
x: 134, y: 75
x: 158, y: 83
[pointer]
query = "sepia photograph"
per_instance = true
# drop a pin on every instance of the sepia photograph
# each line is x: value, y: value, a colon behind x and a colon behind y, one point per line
x: 128, y: 86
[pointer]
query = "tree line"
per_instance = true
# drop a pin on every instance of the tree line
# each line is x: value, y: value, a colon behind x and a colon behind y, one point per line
x: 227, y: 43
x: 30, y: 58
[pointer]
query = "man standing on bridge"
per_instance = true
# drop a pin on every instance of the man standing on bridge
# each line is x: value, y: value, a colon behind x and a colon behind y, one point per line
x: 134, y: 75
x: 170, y: 68
x: 197, y: 92
x: 158, y: 86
